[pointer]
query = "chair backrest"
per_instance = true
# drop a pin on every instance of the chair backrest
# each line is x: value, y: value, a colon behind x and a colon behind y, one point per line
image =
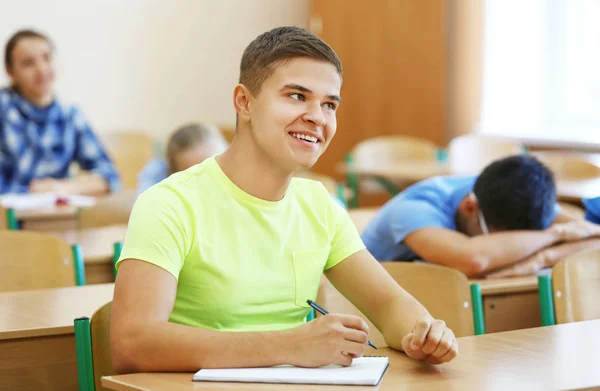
x: 445, y: 293
x: 387, y: 150
x: 471, y: 153
x: 33, y: 260
x: 362, y: 216
x: 100, y: 335
x: 329, y: 183
x: 228, y: 132
x: 576, y: 287
x: 130, y: 151
x: 569, y: 166
x: 109, y: 210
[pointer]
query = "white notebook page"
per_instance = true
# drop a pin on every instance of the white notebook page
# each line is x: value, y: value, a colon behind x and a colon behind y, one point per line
x: 363, y: 371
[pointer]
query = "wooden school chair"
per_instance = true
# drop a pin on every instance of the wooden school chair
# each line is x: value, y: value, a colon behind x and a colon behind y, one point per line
x: 385, y: 151
x: 572, y: 293
x: 129, y: 151
x: 471, y: 153
x: 8, y: 219
x: 109, y: 210
x: 569, y: 166
x: 445, y: 292
x: 92, y: 345
x: 332, y: 186
x: 361, y: 217
x: 32, y: 260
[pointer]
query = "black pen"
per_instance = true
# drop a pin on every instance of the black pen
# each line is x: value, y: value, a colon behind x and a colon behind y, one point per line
x: 323, y: 311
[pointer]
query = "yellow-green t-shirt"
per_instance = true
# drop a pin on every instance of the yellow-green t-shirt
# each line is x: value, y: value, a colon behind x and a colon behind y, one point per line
x: 241, y: 263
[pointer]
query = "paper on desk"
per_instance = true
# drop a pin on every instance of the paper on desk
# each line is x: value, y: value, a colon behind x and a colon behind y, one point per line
x: 43, y: 201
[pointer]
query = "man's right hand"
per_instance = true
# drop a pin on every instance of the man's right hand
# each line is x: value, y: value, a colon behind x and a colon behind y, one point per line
x: 576, y: 230
x: 329, y: 339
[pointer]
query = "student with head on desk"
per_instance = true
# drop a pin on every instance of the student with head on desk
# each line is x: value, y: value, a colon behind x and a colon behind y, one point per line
x: 592, y: 209
x: 188, y: 145
x: 219, y: 260
x: 39, y: 135
x: 492, y: 224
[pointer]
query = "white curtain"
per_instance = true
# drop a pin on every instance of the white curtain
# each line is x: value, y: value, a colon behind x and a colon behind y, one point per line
x: 541, y: 70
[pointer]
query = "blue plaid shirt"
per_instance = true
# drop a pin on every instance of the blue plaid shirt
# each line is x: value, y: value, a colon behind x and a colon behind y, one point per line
x: 42, y: 143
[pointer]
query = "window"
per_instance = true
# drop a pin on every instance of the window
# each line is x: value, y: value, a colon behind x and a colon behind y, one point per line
x: 541, y: 70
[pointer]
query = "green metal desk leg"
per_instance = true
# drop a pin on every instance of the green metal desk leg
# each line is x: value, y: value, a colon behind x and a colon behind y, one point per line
x: 546, y: 300
x: 477, y: 302
x: 83, y: 349
x: 79, y: 266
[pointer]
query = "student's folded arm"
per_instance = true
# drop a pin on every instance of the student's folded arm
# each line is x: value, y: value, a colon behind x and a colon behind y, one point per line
x: 547, y: 257
x: 476, y: 256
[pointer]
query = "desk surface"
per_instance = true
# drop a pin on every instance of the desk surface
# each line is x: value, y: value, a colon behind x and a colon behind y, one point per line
x: 558, y: 357
x: 96, y: 243
x: 62, y: 212
x: 49, y: 311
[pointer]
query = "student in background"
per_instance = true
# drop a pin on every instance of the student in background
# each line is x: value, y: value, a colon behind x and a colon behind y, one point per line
x: 39, y: 135
x: 478, y: 224
x: 189, y: 145
x: 220, y: 259
x: 592, y: 209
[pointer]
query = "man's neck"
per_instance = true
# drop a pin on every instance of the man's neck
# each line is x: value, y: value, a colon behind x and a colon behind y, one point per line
x: 252, y: 172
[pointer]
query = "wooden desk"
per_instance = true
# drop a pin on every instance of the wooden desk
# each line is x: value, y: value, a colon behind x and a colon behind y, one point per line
x: 37, y: 344
x: 362, y: 216
x: 544, y: 358
x: 60, y: 218
x: 97, y: 247
x: 409, y: 172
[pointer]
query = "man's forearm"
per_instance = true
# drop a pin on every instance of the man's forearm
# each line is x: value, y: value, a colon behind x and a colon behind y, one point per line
x: 400, y: 317
x: 88, y: 184
x: 545, y: 258
x: 187, y: 348
x: 502, y: 249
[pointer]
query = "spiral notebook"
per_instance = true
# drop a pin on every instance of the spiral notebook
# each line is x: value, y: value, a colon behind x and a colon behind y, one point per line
x: 364, y: 371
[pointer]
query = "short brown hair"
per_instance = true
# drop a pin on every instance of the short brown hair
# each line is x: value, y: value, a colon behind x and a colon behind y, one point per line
x: 278, y: 45
x: 188, y: 136
x: 14, y: 40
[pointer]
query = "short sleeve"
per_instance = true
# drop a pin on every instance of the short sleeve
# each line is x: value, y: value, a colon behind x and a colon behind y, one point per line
x: 346, y: 239
x: 412, y: 215
x: 159, y: 230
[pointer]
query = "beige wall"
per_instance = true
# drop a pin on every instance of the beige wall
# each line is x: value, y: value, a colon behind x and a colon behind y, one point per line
x: 149, y: 64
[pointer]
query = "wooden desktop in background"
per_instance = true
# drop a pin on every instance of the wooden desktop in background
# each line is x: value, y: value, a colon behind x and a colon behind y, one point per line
x: 544, y: 358
x: 37, y: 343
x: 97, y: 248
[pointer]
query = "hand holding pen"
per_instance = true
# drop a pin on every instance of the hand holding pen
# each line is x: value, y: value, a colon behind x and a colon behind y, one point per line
x: 323, y: 311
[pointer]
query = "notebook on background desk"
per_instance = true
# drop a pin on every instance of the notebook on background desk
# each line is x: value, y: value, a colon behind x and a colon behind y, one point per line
x: 364, y: 371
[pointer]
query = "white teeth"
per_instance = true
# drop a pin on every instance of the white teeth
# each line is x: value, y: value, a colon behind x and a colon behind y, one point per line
x: 305, y: 137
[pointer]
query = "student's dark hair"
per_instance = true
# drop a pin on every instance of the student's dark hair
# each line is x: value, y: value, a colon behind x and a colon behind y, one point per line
x: 278, y: 45
x: 188, y: 136
x: 516, y: 193
x: 14, y: 40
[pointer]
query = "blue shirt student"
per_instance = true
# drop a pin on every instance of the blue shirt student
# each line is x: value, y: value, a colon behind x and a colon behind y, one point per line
x: 592, y: 209
x: 40, y: 143
x: 430, y: 203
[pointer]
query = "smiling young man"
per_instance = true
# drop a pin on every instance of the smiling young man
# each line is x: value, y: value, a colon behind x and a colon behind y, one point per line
x: 220, y: 259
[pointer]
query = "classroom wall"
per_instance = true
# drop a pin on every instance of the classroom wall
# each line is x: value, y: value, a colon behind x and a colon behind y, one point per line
x: 149, y: 65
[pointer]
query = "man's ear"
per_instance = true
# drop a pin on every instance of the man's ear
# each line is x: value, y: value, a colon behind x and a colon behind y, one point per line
x: 241, y: 101
x: 471, y: 205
